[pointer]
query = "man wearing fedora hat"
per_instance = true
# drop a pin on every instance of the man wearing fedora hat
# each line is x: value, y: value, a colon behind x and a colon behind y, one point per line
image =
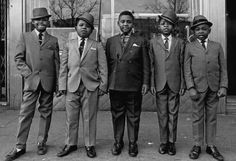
x: 206, y: 79
x: 82, y: 78
x: 37, y: 59
x: 167, y: 81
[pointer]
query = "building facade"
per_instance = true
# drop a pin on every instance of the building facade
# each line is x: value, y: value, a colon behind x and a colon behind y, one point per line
x: 16, y: 18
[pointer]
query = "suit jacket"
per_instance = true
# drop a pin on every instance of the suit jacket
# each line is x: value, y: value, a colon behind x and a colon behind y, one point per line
x: 205, y: 67
x: 128, y: 68
x: 91, y: 68
x: 38, y: 63
x: 167, y: 67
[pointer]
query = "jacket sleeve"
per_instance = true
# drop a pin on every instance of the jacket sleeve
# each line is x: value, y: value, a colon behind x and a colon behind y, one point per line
x: 151, y: 55
x: 187, y: 68
x: 57, y: 61
x: 223, y: 69
x: 183, y: 85
x: 146, y: 64
x: 63, y: 72
x: 102, y: 67
x: 20, y: 57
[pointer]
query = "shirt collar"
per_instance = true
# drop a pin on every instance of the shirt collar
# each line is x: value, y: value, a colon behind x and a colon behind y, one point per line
x: 80, y: 38
x: 128, y: 35
x: 37, y: 32
x: 206, y: 40
x: 169, y: 37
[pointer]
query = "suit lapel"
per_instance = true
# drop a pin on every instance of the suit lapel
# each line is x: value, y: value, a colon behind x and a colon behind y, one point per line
x: 129, y: 43
x: 35, y: 37
x: 119, y: 46
x: 172, y: 47
x: 198, y: 45
x: 46, y: 38
x: 86, y: 48
x: 160, y: 41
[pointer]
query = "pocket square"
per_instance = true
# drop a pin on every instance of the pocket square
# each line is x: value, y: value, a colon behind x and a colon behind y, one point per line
x: 136, y: 45
x: 93, y: 48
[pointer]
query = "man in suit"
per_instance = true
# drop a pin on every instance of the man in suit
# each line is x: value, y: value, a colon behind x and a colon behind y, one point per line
x: 83, y: 77
x: 37, y: 59
x: 128, y: 77
x: 206, y: 79
x: 167, y: 81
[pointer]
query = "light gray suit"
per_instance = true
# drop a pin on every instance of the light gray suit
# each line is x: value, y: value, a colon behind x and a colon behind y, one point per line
x: 206, y: 71
x: 81, y: 78
x: 167, y: 78
x: 39, y: 66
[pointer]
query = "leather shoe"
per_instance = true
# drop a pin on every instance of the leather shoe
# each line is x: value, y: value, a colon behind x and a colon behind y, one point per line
x: 12, y: 155
x: 212, y: 150
x: 195, y: 152
x: 171, y: 148
x: 42, y: 149
x: 117, y: 148
x: 163, y: 149
x: 67, y: 150
x: 91, y: 152
x: 133, y: 149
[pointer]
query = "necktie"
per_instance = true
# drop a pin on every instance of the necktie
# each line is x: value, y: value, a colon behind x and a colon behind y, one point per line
x: 203, y: 44
x: 40, y: 38
x: 81, y: 46
x: 166, y: 43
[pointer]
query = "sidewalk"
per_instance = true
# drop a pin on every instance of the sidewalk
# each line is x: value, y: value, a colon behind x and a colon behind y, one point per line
x: 148, y: 139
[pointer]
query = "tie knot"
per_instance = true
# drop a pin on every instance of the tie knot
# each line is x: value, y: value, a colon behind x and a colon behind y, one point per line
x: 203, y: 41
x: 166, y: 38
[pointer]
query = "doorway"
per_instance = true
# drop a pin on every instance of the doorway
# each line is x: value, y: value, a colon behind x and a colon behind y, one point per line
x: 231, y: 53
x: 3, y: 49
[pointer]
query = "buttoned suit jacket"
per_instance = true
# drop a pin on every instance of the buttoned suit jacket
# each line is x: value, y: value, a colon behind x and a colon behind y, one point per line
x: 91, y: 68
x: 128, y: 67
x: 38, y: 63
x: 205, y: 67
x: 167, y: 66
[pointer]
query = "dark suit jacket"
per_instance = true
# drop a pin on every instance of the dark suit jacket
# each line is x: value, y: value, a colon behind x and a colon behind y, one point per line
x: 128, y: 68
x: 205, y: 68
x: 38, y: 63
x: 167, y: 67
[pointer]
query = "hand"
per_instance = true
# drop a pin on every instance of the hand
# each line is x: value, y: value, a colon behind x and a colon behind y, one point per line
x: 153, y: 91
x: 221, y: 92
x: 193, y: 94
x: 101, y: 92
x: 61, y: 92
x: 182, y: 91
x: 144, y: 89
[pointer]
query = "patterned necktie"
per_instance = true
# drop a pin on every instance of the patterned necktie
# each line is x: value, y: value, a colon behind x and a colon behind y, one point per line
x: 166, y: 43
x: 40, y: 38
x: 81, y: 46
x: 203, y: 44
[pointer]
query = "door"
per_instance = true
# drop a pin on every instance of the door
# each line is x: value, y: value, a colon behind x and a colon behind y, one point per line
x: 231, y: 39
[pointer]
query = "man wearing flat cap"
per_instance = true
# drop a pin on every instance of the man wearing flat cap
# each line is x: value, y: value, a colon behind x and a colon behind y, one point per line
x: 82, y: 78
x: 206, y: 80
x: 37, y: 59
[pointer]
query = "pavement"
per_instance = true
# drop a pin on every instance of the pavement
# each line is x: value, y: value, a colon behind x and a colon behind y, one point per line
x: 148, y: 142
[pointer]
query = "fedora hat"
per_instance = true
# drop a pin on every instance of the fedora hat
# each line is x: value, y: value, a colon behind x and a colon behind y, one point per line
x: 170, y: 16
x: 199, y: 20
x: 40, y: 13
x: 87, y: 17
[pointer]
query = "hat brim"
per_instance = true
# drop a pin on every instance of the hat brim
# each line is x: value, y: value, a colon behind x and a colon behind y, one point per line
x: 81, y: 18
x: 200, y: 23
x: 33, y: 18
x: 167, y: 19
